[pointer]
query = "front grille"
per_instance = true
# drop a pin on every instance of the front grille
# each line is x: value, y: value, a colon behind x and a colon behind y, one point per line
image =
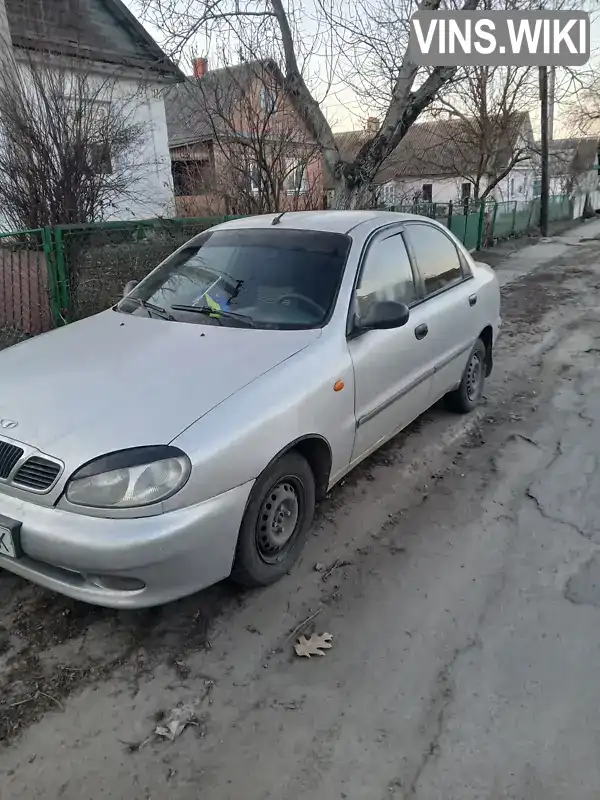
x: 37, y: 473
x: 9, y: 455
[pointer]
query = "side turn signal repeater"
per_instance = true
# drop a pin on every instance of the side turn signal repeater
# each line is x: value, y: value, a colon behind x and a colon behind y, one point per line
x: 338, y: 386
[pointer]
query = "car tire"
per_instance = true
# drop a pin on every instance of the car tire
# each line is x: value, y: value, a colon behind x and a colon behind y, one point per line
x: 276, y: 522
x: 469, y: 393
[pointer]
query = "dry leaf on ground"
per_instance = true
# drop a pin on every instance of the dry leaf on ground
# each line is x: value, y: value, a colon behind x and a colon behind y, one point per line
x: 179, y: 718
x: 314, y: 645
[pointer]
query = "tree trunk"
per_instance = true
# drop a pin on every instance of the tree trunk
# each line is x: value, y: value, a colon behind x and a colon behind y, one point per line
x: 356, y: 196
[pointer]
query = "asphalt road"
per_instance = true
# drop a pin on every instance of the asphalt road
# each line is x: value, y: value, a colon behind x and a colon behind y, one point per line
x: 459, y: 575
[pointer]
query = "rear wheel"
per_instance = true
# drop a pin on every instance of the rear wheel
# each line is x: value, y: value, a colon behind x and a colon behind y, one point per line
x: 469, y: 393
x: 276, y: 522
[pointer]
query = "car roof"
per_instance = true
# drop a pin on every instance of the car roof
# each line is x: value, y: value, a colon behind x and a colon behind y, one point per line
x: 329, y: 221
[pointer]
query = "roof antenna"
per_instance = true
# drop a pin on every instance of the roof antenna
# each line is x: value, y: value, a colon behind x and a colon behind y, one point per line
x: 277, y: 219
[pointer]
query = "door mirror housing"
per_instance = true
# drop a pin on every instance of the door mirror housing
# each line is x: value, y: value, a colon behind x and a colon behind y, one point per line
x: 384, y: 315
x: 129, y: 287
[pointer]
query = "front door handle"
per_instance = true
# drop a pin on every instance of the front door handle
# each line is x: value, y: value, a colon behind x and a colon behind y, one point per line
x: 421, y: 331
x: 472, y: 299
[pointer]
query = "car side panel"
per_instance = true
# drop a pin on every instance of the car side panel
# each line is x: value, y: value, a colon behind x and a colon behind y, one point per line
x: 488, y: 302
x: 453, y: 328
x: 464, y: 322
x: 393, y: 372
x: 234, y: 442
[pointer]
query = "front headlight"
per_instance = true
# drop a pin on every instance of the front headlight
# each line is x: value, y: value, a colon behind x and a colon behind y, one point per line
x: 130, y: 478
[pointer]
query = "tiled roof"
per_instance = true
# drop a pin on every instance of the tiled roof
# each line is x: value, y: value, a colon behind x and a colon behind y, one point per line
x: 571, y: 156
x: 99, y: 30
x: 434, y: 148
x: 195, y: 107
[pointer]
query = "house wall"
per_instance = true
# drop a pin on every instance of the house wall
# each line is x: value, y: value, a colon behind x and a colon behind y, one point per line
x: 215, y: 203
x: 150, y: 193
x: 403, y: 192
x: 282, y: 127
x: 517, y: 185
x: 583, y: 182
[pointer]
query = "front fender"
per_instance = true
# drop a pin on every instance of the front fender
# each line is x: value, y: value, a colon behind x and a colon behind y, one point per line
x: 237, y: 440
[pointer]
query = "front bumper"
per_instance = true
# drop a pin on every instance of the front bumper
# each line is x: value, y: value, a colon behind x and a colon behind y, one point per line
x: 172, y: 554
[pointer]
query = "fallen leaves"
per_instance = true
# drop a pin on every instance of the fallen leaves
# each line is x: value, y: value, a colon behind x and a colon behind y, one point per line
x: 178, y: 720
x: 313, y: 645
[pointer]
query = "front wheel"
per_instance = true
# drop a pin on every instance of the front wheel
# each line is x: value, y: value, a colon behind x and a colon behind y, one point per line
x: 469, y: 393
x: 276, y: 522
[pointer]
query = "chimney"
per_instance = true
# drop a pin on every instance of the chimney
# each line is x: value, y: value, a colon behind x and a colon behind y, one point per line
x: 200, y: 67
x: 372, y: 125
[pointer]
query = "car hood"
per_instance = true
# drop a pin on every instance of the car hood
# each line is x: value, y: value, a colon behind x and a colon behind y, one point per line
x: 114, y: 380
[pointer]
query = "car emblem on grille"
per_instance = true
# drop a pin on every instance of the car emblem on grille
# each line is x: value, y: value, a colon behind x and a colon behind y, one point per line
x: 8, y: 424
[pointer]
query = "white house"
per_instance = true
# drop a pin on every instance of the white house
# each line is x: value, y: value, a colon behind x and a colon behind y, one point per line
x: 573, y: 165
x: 443, y: 160
x: 103, y: 38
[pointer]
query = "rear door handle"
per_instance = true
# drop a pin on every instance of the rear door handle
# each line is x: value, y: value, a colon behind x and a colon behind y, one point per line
x: 421, y: 331
x: 472, y: 299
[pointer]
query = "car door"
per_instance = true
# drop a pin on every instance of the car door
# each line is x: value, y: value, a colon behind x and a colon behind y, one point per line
x: 449, y: 302
x: 392, y: 368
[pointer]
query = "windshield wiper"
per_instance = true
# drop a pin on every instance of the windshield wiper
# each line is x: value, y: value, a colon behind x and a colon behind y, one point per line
x: 209, y: 312
x: 151, y: 308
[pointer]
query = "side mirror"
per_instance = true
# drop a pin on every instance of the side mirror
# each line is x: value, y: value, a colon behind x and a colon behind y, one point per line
x: 384, y: 315
x: 129, y: 287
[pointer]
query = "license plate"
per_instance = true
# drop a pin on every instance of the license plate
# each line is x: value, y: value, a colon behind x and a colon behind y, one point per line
x: 7, y: 543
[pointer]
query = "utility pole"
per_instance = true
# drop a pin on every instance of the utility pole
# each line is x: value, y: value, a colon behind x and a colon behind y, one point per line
x: 544, y: 154
x: 551, y: 102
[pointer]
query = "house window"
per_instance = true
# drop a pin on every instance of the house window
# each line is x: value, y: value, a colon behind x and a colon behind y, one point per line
x: 191, y: 176
x: 99, y: 158
x: 389, y: 194
x: 512, y: 187
x: 427, y: 192
x: 253, y: 172
x: 268, y: 99
x: 537, y: 187
x: 296, y: 177
x: 465, y: 192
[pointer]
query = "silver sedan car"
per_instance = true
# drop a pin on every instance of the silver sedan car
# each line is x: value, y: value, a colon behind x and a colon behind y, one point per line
x: 185, y: 434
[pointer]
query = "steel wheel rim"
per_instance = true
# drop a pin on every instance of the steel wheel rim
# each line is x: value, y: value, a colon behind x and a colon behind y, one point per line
x: 278, y: 519
x: 474, y: 377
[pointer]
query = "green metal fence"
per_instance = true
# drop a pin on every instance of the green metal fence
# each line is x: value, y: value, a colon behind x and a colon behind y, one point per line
x: 560, y: 207
x: 52, y: 276
x: 478, y: 224
x: 514, y: 218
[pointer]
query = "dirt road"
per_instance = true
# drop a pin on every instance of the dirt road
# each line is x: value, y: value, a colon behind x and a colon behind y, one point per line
x: 459, y: 574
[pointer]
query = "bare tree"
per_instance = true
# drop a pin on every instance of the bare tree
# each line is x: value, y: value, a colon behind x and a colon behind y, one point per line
x: 412, y: 89
x: 490, y: 135
x: 70, y: 147
x: 371, y: 37
x: 583, y: 110
x: 258, y: 155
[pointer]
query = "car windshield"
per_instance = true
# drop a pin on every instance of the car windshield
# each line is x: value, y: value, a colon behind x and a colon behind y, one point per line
x: 259, y: 278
